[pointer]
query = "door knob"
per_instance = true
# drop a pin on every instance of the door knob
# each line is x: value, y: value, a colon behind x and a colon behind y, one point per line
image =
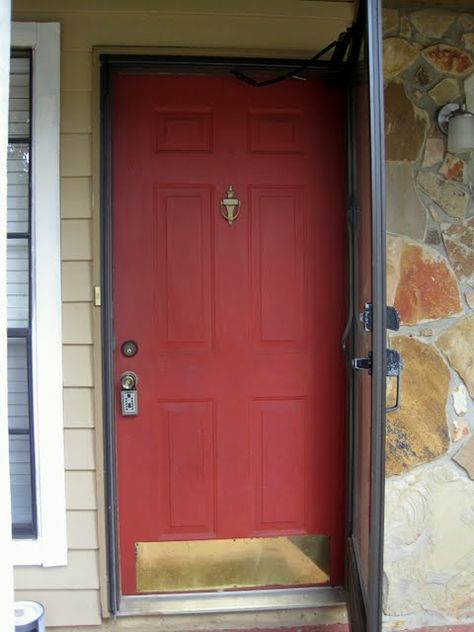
x: 128, y: 381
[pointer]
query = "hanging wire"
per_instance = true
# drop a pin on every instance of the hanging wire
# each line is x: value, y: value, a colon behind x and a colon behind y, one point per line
x: 340, y: 47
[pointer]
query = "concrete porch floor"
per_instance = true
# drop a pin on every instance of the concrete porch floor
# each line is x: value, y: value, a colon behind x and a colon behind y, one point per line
x: 338, y: 627
x: 327, y: 619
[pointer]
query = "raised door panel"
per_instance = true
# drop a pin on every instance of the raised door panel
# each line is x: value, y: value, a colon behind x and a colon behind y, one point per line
x: 279, y: 465
x: 278, y: 266
x: 183, y: 269
x: 186, y: 469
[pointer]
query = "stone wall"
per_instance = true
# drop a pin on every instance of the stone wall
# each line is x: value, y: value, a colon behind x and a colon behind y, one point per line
x: 429, y: 528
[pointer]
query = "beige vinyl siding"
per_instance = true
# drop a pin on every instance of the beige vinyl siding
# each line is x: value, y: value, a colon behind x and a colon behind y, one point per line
x: 81, y: 490
x: 82, y: 530
x: 80, y: 404
x: 77, y: 607
x: 77, y: 361
x: 76, y: 195
x: 76, y: 281
x: 81, y: 572
x: 77, y: 323
x: 249, y: 27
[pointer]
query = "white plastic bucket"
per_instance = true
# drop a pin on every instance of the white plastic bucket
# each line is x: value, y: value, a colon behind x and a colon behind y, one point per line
x: 29, y: 616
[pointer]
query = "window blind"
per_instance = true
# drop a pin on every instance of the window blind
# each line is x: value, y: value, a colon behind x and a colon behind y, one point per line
x: 20, y: 426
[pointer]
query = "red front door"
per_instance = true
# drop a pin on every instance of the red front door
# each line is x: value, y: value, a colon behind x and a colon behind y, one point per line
x: 241, y: 429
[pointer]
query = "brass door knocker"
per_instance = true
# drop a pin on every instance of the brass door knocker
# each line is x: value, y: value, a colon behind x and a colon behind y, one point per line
x: 230, y: 206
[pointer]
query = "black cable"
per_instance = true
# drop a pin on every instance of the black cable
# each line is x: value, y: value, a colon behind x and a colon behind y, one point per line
x: 341, y: 43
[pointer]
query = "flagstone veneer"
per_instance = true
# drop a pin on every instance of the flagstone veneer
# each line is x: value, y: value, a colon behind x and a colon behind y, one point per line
x: 429, y: 552
x: 457, y: 343
x: 418, y: 431
x: 453, y: 200
x: 429, y: 516
x: 434, y: 152
x: 445, y: 91
x: 406, y: 214
x: 432, y: 23
x: 390, y: 20
x: 398, y: 54
x: 469, y: 41
x: 448, y: 59
x: 421, y: 283
x: 405, y: 125
x: 453, y: 168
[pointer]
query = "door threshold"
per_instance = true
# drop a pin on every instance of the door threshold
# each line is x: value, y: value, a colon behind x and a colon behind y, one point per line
x: 233, y: 601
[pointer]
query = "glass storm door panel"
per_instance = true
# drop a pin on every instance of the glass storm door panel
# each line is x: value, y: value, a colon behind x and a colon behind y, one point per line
x: 367, y: 393
x: 234, y: 302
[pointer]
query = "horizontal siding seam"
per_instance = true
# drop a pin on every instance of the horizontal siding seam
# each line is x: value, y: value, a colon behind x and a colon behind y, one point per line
x: 65, y: 218
x: 79, y: 302
x: 77, y: 549
x: 78, y: 427
x: 79, y: 470
x: 89, y: 134
x: 67, y: 90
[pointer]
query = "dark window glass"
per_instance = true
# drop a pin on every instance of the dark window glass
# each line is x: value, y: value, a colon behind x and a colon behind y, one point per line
x: 19, y: 291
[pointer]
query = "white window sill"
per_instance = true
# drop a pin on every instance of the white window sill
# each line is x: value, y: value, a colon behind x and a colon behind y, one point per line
x: 37, y: 553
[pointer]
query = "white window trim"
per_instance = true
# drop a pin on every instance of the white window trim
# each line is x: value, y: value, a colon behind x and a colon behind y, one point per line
x: 6, y: 571
x: 50, y: 547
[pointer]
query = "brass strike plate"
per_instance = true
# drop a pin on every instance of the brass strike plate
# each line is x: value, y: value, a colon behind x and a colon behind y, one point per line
x: 97, y: 296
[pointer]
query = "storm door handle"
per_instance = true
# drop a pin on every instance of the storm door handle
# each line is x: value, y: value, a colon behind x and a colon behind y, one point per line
x: 394, y: 369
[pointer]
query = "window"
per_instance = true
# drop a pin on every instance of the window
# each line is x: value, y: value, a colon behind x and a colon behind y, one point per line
x: 20, y: 427
x: 34, y: 299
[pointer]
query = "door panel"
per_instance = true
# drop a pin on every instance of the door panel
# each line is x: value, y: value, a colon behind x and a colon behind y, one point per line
x: 368, y: 287
x: 278, y: 266
x: 279, y: 472
x: 240, y: 429
x: 187, y: 444
x: 184, y: 304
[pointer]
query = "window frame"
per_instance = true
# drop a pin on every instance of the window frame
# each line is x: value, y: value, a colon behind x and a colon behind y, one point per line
x: 49, y: 548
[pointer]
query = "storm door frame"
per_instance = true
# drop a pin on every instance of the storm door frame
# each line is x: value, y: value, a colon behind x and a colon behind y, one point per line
x: 365, y: 601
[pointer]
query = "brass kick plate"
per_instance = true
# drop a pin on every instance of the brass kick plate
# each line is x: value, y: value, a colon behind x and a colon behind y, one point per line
x: 227, y: 564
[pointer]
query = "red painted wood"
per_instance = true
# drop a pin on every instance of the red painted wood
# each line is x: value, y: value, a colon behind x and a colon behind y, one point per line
x: 240, y: 429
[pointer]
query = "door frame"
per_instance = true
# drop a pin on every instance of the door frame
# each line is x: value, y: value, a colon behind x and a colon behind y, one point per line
x: 204, y: 602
